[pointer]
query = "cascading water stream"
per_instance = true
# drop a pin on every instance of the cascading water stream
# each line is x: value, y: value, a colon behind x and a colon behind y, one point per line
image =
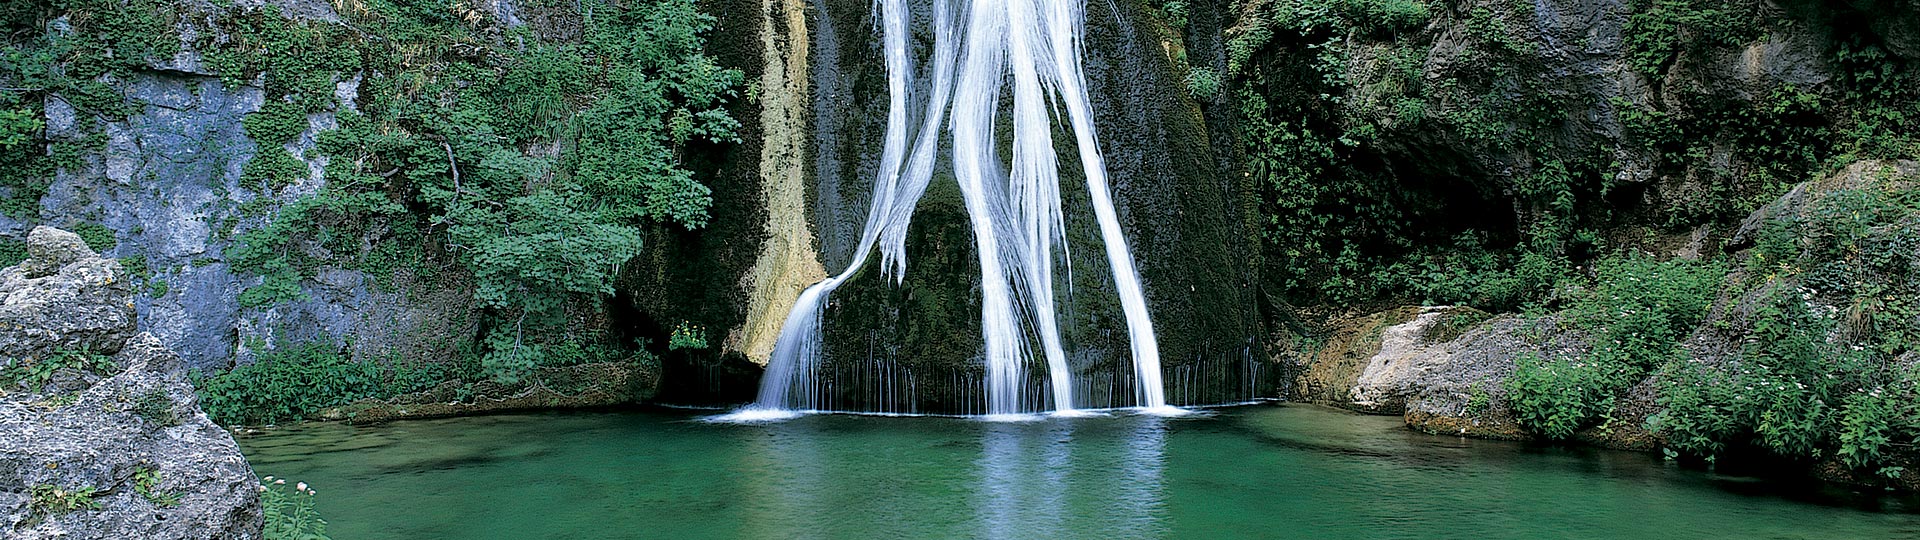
x: 1016, y: 217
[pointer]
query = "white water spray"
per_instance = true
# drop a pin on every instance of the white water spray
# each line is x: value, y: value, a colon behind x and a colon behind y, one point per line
x: 1016, y: 216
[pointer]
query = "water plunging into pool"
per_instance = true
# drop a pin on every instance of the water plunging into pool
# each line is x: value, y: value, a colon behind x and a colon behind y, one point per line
x: 1013, y: 210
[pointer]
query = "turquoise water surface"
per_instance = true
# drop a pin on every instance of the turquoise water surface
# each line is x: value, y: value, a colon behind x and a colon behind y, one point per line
x: 1272, y: 471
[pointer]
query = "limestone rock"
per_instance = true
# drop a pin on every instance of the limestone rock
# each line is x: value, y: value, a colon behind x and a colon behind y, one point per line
x: 49, y: 249
x: 142, y: 423
x: 64, y: 297
x: 1391, y: 374
x: 127, y: 456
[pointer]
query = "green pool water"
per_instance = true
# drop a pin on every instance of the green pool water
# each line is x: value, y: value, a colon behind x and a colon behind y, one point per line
x: 1257, y: 471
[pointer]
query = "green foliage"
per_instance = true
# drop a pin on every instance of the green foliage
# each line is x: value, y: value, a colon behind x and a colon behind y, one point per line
x: 1659, y: 30
x: 1698, y: 413
x: 1636, y: 313
x: 156, y: 407
x: 78, y: 62
x: 12, y: 252
x: 1641, y: 308
x: 289, y: 512
x: 1479, y: 401
x: 1471, y: 273
x: 277, y: 122
x: 288, y: 383
x: 18, y: 127
x: 539, y: 252
x: 146, y: 482
x: 1555, y: 398
x: 1814, y: 383
x: 1341, y: 229
x: 98, y: 237
x: 687, y: 336
x: 1790, y: 393
x: 1175, y: 12
x: 434, y: 161
x: 272, y: 168
x: 54, y: 499
x: 37, y: 372
x: 136, y: 267
x: 1203, y: 83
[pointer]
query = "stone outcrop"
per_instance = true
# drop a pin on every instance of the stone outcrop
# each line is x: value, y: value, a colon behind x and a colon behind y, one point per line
x: 64, y: 297
x: 129, y: 455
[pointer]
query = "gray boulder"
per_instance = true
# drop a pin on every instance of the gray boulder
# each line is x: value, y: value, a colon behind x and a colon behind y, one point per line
x: 63, y: 297
x: 127, y: 456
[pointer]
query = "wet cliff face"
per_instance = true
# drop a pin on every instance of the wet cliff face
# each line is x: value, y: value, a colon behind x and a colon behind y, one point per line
x: 1183, y: 207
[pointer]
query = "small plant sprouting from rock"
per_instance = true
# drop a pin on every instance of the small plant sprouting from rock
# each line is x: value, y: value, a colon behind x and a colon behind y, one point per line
x: 1203, y: 83
x: 146, y: 482
x: 289, y: 511
x: 1478, y: 401
x: 37, y: 373
x: 687, y: 336
x: 157, y: 408
x: 57, y: 500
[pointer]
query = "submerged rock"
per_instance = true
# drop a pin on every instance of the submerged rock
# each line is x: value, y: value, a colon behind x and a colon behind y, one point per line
x: 127, y: 456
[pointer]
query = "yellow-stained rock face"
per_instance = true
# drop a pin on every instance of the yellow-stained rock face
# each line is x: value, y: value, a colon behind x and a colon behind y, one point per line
x: 787, y: 263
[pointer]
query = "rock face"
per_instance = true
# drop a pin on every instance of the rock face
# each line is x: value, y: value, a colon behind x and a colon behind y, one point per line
x: 166, y: 185
x: 127, y: 456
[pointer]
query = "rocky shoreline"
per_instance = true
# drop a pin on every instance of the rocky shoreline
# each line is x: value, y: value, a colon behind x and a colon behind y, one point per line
x: 1445, y: 369
x: 103, y: 434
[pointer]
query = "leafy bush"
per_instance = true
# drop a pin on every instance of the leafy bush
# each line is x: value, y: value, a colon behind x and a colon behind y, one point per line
x: 1790, y: 392
x: 687, y: 336
x: 1636, y: 312
x: 434, y: 161
x: 1203, y: 83
x: 1176, y: 12
x: 1555, y: 398
x: 1640, y: 308
x: 1658, y: 30
x: 289, y: 382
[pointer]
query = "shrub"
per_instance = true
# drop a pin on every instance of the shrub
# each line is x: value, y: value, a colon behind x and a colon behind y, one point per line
x: 1790, y: 392
x: 1697, y: 414
x: 289, y: 382
x: 687, y: 336
x: 1555, y: 398
x: 1640, y: 308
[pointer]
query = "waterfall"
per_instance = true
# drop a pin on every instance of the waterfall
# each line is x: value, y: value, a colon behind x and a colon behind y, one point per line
x: 1015, y: 213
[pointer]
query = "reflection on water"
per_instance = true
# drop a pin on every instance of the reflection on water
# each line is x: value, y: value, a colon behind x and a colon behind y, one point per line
x: 1287, y: 472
